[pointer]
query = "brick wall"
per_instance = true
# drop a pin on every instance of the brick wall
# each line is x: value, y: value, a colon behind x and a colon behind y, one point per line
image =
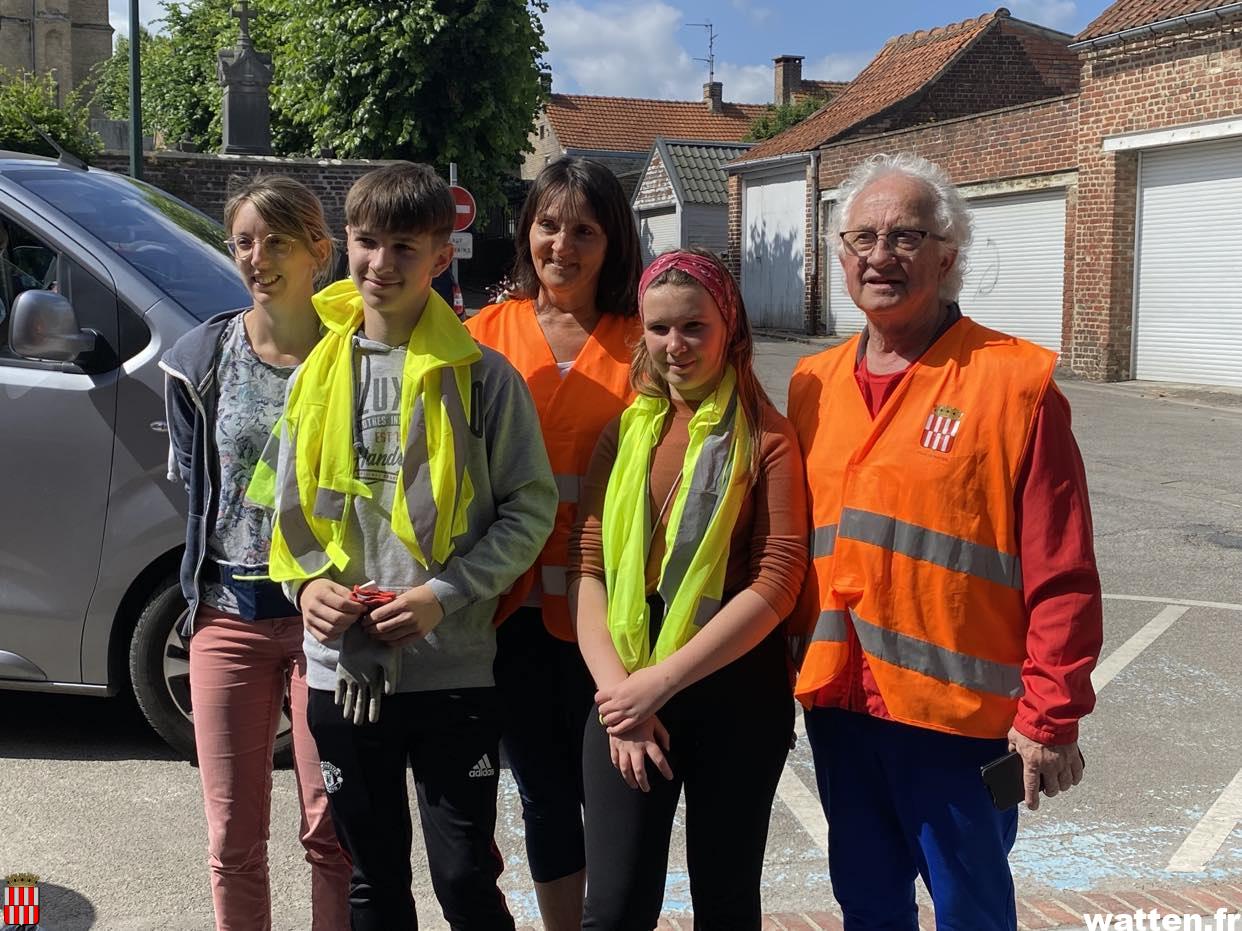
x: 1192, y: 77
x: 733, y: 255
x: 656, y: 187
x: 1015, y: 143
x: 206, y: 180
x: 547, y: 148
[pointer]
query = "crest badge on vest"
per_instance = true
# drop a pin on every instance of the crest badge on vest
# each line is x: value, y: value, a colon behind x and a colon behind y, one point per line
x: 941, y: 428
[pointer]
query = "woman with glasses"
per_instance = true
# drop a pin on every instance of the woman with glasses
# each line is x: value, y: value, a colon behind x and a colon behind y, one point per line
x: 225, y: 390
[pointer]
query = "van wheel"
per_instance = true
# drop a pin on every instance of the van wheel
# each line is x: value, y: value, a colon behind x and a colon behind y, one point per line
x: 159, y: 668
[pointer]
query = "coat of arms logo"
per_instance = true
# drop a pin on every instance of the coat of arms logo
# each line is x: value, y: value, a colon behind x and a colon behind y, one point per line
x: 941, y: 428
x: 21, y: 900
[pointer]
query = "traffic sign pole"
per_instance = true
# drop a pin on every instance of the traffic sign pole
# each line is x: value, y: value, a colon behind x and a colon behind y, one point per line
x: 453, y: 183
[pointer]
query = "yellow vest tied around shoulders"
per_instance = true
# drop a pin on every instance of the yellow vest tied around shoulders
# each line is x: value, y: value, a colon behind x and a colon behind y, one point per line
x: 715, y: 478
x: 313, y: 494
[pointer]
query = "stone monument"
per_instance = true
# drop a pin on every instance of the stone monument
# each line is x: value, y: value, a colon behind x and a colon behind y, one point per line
x: 245, y: 75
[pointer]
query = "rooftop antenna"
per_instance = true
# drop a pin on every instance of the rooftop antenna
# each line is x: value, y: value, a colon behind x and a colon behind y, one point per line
x: 712, y: 36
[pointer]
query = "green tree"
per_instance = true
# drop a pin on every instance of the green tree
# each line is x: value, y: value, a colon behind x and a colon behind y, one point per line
x: 27, y: 99
x: 110, y: 79
x: 776, y: 119
x: 437, y: 81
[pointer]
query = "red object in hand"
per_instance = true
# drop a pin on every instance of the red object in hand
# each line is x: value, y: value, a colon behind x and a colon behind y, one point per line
x: 371, y: 597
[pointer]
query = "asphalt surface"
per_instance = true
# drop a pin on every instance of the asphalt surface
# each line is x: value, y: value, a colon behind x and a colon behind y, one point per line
x: 112, y: 822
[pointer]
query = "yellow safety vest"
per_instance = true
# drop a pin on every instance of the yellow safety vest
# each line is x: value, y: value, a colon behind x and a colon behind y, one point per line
x: 714, y: 480
x: 314, y: 492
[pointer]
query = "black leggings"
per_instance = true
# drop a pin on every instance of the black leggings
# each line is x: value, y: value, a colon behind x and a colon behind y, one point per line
x: 449, y: 739
x: 728, y: 738
x: 545, y: 696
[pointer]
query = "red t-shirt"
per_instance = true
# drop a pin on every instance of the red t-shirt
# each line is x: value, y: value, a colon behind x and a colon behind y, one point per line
x: 1060, y: 582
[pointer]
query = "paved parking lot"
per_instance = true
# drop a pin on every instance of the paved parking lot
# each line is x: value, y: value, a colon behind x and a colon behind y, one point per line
x: 91, y: 801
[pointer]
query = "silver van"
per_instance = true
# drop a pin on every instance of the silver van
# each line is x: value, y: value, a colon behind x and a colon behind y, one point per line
x: 99, y: 275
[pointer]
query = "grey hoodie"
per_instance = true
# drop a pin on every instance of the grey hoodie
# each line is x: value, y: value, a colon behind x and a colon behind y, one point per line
x: 515, y: 500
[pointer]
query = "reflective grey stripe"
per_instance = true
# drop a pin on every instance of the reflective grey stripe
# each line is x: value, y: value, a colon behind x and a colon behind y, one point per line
x: 706, y: 610
x: 329, y: 504
x: 823, y: 541
x: 553, y: 580
x: 416, y: 476
x: 567, y: 488
x: 416, y: 465
x: 980, y: 675
x: 460, y: 423
x: 830, y: 627
x: 708, y: 486
x: 931, y: 546
x: 305, y: 549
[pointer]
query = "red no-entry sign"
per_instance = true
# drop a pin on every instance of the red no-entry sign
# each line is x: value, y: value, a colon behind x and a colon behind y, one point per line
x: 463, y: 200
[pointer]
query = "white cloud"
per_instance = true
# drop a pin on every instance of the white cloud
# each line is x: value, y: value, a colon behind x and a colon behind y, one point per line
x: 639, y: 51
x: 118, y: 14
x: 839, y: 66
x: 758, y: 14
x: 1056, y: 14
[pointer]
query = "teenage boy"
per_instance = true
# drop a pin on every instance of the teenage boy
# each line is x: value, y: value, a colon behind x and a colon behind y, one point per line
x: 407, y: 458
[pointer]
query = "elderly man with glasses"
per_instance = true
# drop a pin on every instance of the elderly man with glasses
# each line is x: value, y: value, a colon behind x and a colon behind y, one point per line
x: 953, y: 612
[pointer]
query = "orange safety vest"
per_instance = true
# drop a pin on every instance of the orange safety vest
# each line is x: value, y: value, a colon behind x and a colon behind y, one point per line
x: 915, y: 541
x: 573, y: 411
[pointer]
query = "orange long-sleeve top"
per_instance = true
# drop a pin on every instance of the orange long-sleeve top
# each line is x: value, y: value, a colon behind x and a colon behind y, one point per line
x: 767, y: 552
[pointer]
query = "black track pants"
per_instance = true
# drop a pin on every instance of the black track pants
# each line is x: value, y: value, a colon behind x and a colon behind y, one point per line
x: 450, y: 740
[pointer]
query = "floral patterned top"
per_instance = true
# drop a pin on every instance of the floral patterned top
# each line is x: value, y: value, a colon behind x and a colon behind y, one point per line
x: 251, y: 399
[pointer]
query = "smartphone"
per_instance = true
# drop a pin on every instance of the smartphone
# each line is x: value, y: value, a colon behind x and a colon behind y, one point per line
x: 1003, y: 778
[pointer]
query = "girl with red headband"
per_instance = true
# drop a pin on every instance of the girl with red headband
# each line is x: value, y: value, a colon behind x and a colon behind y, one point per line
x: 688, y: 552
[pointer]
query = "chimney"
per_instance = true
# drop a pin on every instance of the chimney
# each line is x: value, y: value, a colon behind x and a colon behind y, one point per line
x: 713, y: 96
x: 545, y: 83
x: 787, y: 72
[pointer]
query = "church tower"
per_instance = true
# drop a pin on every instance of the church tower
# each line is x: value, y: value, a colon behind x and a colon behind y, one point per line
x: 64, y: 37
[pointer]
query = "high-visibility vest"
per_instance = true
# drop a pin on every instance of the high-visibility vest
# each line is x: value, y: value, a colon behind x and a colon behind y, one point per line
x: 715, y: 478
x: 573, y: 411
x: 313, y: 493
x: 915, y: 542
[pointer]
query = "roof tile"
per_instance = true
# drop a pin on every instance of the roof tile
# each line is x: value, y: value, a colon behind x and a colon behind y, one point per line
x: 1128, y: 14
x: 700, y: 169
x: 904, y: 65
x: 631, y: 124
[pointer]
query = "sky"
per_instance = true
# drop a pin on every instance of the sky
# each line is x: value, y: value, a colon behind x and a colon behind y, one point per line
x: 646, y: 48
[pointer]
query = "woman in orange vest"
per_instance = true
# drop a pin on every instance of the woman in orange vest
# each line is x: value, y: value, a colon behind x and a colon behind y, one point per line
x: 569, y: 329
x: 953, y: 608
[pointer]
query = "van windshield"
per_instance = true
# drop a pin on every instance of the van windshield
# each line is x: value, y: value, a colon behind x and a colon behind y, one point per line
x: 178, y: 249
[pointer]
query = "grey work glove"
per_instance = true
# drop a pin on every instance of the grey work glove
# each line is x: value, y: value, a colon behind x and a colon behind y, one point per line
x: 366, y: 670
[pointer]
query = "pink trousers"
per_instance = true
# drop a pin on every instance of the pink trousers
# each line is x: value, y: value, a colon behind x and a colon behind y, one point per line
x: 238, y: 672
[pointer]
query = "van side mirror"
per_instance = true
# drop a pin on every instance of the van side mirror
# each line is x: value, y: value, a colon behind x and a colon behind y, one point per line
x: 45, y: 327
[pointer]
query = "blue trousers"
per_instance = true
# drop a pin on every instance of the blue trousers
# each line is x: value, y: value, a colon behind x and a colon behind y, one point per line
x: 905, y: 801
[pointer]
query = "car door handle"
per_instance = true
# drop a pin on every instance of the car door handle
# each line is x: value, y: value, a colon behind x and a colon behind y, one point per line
x: 159, y: 426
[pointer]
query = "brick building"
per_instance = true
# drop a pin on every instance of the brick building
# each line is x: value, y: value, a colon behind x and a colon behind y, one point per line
x: 1085, y: 194
x: 64, y: 37
x: 682, y: 197
x: 620, y: 131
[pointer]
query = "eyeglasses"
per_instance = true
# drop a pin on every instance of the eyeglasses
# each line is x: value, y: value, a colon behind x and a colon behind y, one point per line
x: 274, y: 244
x: 900, y: 242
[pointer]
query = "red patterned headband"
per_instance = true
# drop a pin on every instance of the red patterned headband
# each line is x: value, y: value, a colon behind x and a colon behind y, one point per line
x: 715, y: 281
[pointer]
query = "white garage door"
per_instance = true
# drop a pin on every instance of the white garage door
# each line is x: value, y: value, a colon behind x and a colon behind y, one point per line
x: 1015, y: 269
x: 773, y: 231
x: 1188, y: 305
x: 658, y: 231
